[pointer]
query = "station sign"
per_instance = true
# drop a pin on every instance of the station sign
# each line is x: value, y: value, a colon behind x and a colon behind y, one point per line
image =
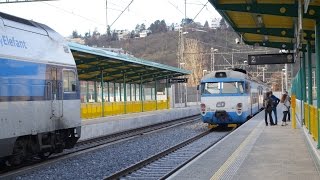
x: 260, y: 59
x: 178, y: 80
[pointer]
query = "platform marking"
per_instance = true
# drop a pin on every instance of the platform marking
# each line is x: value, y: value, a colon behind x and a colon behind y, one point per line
x: 233, y: 162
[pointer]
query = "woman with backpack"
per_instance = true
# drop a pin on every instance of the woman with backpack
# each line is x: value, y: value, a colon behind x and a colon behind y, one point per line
x: 268, y: 109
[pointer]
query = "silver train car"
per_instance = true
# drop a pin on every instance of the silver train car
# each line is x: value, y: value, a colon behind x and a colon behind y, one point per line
x: 39, y: 91
x: 230, y: 97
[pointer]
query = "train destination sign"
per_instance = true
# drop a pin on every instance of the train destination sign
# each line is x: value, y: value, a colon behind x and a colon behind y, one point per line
x: 178, y: 80
x: 257, y: 59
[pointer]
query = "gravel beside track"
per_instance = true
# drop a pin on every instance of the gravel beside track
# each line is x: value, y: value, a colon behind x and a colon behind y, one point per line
x: 112, y: 158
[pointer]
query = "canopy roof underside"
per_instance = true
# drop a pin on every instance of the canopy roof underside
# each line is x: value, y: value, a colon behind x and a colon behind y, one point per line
x: 95, y: 63
x: 269, y: 23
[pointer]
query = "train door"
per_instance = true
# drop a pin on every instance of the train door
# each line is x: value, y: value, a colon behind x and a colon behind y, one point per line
x: 248, y: 90
x: 55, y: 89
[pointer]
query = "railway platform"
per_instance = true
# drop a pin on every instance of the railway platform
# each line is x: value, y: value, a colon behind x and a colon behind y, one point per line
x: 95, y: 127
x: 255, y: 151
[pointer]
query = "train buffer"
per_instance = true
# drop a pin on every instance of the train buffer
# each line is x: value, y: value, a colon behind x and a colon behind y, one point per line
x: 257, y: 151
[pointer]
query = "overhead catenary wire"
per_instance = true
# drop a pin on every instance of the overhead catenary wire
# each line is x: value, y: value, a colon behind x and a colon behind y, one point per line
x: 69, y: 12
x: 121, y: 14
x: 200, y: 11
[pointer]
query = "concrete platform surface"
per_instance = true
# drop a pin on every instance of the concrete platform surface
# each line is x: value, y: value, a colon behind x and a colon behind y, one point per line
x: 92, y: 128
x: 266, y: 152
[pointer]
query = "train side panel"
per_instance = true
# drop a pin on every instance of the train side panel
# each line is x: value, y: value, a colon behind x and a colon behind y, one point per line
x: 39, y: 90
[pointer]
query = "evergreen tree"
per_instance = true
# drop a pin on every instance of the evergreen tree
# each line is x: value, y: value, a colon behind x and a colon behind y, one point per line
x: 75, y: 34
x: 142, y: 27
x: 223, y: 24
x: 206, y: 24
x: 137, y: 29
x: 158, y: 26
x: 108, y: 31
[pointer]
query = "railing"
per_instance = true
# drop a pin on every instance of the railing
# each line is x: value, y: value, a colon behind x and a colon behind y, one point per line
x: 310, y: 122
x: 95, y: 110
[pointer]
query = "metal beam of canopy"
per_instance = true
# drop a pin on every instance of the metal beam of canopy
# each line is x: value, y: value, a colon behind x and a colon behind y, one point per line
x: 268, y: 23
x: 91, y: 62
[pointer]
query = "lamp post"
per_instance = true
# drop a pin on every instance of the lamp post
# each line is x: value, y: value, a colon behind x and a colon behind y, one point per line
x: 263, y: 69
x: 286, y: 76
x: 212, y: 58
x: 185, y: 89
x: 282, y: 73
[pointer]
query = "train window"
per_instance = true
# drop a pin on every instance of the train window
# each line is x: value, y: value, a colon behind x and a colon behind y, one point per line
x: 69, y: 81
x: 247, y: 86
x: 232, y: 87
x: 220, y: 75
x: 210, y: 88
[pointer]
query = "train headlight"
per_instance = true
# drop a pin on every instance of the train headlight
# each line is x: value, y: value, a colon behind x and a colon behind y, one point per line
x: 239, y: 109
x: 203, y: 108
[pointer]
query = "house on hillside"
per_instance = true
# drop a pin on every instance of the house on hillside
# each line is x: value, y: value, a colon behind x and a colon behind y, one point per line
x: 76, y: 40
x: 123, y: 34
x: 144, y: 33
x: 215, y: 23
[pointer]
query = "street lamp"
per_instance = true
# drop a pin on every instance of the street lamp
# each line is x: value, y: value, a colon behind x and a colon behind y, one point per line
x: 286, y: 77
x: 263, y: 69
x: 212, y: 58
x: 283, y: 72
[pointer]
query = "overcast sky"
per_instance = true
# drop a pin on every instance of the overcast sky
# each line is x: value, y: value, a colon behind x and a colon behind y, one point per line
x: 64, y: 16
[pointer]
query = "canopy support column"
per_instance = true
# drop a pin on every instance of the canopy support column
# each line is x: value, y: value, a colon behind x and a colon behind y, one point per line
x: 309, y: 81
x: 108, y: 83
x: 317, y: 49
x: 167, y: 92
x: 102, y: 98
x: 95, y: 91
x: 141, y: 91
x: 114, y: 92
x: 155, y: 92
x: 125, y: 93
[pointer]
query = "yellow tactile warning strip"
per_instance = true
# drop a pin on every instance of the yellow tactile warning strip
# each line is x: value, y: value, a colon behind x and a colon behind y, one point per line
x: 253, y: 136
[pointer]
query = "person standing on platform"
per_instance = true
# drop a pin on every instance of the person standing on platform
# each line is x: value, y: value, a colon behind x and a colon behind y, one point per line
x: 275, y: 102
x: 268, y: 109
x: 285, y: 104
x: 288, y: 99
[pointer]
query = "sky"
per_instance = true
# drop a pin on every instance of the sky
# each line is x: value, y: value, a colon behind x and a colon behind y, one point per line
x: 65, y: 16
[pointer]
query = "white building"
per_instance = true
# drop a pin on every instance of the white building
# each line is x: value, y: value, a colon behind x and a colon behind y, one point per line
x: 144, y: 33
x: 215, y: 23
x: 123, y: 34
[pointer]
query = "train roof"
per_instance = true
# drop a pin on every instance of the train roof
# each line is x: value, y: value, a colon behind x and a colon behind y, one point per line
x: 234, y: 73
x: 32, y: 41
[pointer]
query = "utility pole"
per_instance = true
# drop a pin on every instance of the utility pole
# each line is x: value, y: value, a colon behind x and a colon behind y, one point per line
x: 106, y: 15
x: 212, y: 60
x: 185, y: 10
x: 180, y: 60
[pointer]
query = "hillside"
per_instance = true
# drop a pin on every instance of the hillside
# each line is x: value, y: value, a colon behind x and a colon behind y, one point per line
x: 163, y: 48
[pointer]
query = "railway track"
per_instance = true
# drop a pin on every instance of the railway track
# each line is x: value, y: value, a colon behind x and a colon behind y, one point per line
x: 91, y: 145
x: 164, y: 164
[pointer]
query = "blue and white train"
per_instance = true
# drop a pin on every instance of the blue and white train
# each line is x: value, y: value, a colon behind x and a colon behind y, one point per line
x: 39, y: 91
x: 230, y: 97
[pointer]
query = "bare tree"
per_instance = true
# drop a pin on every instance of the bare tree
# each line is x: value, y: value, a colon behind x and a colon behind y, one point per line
x: 194, y: 61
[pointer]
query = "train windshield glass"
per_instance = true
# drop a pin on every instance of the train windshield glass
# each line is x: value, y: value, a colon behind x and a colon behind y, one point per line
x: 232, y: 87
x: 211, y: 88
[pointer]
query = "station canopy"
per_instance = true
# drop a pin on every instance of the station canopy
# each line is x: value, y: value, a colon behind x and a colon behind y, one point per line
x: 270, y: 23
x: 94, y: 63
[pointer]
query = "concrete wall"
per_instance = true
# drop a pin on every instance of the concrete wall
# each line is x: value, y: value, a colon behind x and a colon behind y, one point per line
x: 92, y: 128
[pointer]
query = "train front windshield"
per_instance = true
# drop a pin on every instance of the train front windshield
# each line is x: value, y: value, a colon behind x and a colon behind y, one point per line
x: 222, y: 88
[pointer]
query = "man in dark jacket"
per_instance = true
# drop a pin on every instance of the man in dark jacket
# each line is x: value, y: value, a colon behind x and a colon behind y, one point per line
x: 275, y: 102
x: 268, y: 109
